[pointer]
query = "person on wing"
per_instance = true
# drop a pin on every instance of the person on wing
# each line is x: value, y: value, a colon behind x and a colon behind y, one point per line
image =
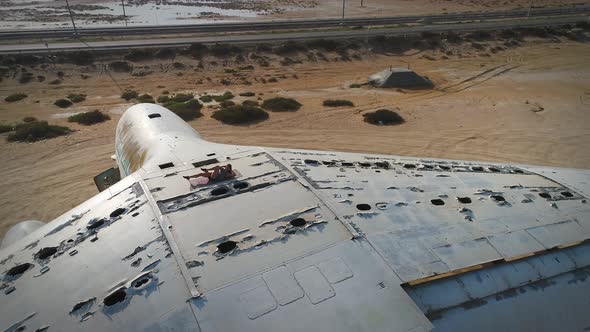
x: 214, y: 174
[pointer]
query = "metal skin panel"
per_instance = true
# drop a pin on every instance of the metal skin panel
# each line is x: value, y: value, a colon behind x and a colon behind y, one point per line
x: 304, y: 240
x: 282, y: 285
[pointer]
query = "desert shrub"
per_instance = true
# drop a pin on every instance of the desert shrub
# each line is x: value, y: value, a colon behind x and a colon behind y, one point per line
x: 263, y: 48
x: 221, y: 50
x: 227, y: 103
x: 138, y: 55
x: 165, y: 92
x: 197, y: 50
x: 89, y: 118
x: 480, y: 35
x: 187, y: 110
x: 272, y: 80
x: 355, y: 86
x: 226, y: 96
x: 428, y: 35
x: 239, y: 114
x: 247, y: 94
x: 509, y: 34
x: 288, y: 62
x: 4, y: 128
x: 206, y: 99
x: 27, y: 59
x: 163, y: 99
x: 182, y: 97
x: 81, y: 58
x: 55, y: 81
x: 329, y: 45
x: 129, y: 94
x: 477, y: 46
x: 40, y: 78
x: 29, y: 119
x: 571, y: 35
x: 63, y: 103
x: 289, y: 47
x: 280, y: 104
x: 76, y: 97
x: 247, y: 67
x: 337, y: 102
x: 178, y: 65
x: 383, y: 117
x: 540, y: 32
x: 25, y: 77
x: 165, y: 53
x: 15, y: 97
x: 145, y: 98
x: 36, y: 131
x: 120, y: 66
x: 583, y: 25
x: 453, y: 37
x: 250, y: 103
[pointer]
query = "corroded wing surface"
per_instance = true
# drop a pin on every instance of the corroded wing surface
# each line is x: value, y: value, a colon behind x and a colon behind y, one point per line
x: 303, y: 240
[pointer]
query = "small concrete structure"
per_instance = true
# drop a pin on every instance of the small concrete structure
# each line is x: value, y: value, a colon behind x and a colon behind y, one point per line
x: 399, y: 78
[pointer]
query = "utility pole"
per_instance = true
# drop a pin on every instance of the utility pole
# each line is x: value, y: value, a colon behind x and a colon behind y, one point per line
x: 343, y: 7
x: 530, y: 7
x: 72, y: 17
x: 124, y: 16
x: 362, y: 3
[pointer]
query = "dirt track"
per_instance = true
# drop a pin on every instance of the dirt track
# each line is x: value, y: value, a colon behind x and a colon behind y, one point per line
x: 483, y: 109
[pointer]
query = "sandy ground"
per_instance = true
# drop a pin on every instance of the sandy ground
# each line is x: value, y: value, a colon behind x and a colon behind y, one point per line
x: 484, y: 108
x: 333, y: 8
x: 34, y: 14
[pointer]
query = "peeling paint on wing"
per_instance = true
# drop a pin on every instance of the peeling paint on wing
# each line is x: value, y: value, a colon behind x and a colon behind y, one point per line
x: 192, y: 264
x: 17, y: 271
x: 68, y: 223
x: 580, y: 276
x: 17, y: 326
x: 118, y: 299
x: 82, y: 306
x: 139, y: 249
x: 136, y: 262
x: 31, y: 245
x: 151, y: 265
x: 289, y: 215
x: 207, y: 194
x: 222, y: 238
x: 8, y: 258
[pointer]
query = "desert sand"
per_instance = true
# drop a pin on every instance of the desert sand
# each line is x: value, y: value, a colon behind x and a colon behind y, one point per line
x: 526, y: 105
x: 375, y: 8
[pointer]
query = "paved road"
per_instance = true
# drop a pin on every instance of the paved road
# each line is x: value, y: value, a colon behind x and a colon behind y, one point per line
x: 254, y: 38
x: 284, y: 25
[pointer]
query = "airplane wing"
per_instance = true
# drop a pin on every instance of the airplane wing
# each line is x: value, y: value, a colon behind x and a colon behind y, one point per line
x: 312, y: 241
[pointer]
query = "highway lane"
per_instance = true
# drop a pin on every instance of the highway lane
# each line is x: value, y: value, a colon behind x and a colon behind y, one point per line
x: 285, y: 25
x: 40, y: 48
